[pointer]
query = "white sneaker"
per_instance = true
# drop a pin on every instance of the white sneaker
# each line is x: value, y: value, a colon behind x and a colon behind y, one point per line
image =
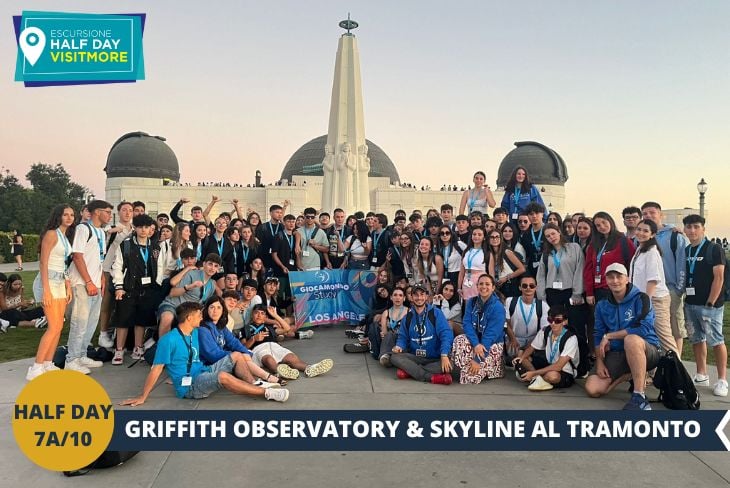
x: 266, y: 384
x: 51, y: 367
x: 701, y: 380
x: 720, y: 388
x: 277, y: 394
x: 138, y: 353
x: 118, y: 358
x: 41, y: 323
x: 538, y: 383
x: 318, y: 368
x: 4, y: 324
x: 106, y: 339
x: 35, y: 371
x: 90, y: 363
x: 305, y: 334
x: 75, y: 365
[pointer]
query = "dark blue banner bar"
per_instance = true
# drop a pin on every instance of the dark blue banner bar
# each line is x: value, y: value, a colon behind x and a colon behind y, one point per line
x: 399, y: 430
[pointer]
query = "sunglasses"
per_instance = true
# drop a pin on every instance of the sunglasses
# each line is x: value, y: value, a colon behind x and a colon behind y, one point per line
x: 525, y: 286
x: 495, y: 237
x: 445, y: 233
x: 555, y: 320
x: 309, y: 217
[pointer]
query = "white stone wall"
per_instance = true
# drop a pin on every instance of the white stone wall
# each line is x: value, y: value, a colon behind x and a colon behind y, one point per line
x: 307, y: 193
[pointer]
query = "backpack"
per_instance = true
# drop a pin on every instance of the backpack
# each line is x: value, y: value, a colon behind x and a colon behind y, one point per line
x: 585, y: 363
x: 108, y: 459
x: 538, y: 309
x: 725, y: 292
x: 676, y: 388
x: 409, y: 317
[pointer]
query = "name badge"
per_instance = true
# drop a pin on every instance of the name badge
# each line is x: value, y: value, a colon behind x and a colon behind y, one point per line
x: 421, y: 353
x: 305, y: 254
x: 375, y: 260
x: 536, y: 265
x: 291, y: 262
x: 146, y: 280
x: 690, y: 291
x: 468, y: 283
x: 558, y: 285
x: 187, y: 381
x: 515, y: 216
x: 597, y: 280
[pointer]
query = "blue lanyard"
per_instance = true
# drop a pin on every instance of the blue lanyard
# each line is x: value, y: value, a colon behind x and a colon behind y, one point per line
x: 99, y: 240
x: 271, y: 228
x: 204, y: 294
x: 518, y: 192
x: 246, y: 252
x: 145, y: 256
x: 421, y: 327
x: 555, y: 349
x: 199, y: 251
x: 397, y: 251
x: 219, y: 245
x: 473, y: 199
x: 290, y: 240
x: 470, y: 257
x: 599, y: 257
x: 527, y: 317
x: 536, y: 242
x: 308, y: 236
x: 66, y: 247
x: 693, y: 260
x: 376, y: 238
x: 235, y: 256
x: 447, y: 254
x: 556, y: 261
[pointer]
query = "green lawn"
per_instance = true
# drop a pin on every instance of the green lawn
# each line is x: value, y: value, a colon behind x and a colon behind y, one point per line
x: 22, y: 343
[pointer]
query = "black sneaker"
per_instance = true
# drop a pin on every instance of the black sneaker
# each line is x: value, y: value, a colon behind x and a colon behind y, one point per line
x: 354, y: 333
x: 356, y: 347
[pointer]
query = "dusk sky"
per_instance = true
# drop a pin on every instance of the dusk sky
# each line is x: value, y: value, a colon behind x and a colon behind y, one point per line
x: 635, y: 96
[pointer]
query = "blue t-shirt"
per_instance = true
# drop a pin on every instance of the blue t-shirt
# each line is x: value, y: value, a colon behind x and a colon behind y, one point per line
x: 173, y: 351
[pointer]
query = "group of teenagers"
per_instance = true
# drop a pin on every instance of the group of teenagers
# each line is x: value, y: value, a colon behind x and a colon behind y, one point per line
x: 458, y: 295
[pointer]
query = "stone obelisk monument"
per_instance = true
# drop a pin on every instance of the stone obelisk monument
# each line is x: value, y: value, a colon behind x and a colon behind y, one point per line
x: 346, y: 163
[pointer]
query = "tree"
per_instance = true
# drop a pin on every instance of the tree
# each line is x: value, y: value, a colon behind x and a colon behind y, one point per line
x: 27, y: 209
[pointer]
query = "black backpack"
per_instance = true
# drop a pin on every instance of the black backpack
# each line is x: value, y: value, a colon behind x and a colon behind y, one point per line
x: 585, y: 363
x: 676, y: 388
x: 538, y: 308
x: 108, y: 459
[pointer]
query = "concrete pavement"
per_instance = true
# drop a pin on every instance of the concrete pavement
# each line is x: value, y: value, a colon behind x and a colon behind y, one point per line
x: 358, y: 382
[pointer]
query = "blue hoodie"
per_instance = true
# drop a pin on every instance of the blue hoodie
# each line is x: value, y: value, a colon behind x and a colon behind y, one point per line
x: 215, y: 343
x: 508, y: 202
x: 437, y: 338
x: 634, y: 313
x: 674, y: 263
x: 491, y: 324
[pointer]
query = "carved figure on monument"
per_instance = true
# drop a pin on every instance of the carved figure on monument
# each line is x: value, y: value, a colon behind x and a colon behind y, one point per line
x: 346, y: 166
x: 363, y: 183
x: 329, y: 182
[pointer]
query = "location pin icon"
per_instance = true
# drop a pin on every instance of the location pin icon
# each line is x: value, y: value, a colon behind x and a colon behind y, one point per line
x: 32, y: 42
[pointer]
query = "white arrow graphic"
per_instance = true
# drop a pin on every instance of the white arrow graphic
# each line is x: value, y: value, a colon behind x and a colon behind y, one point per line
x: 720, y: 430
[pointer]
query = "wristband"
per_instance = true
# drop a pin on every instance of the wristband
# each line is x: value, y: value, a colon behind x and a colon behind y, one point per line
x: 710, y: 304
x: 89, y: 282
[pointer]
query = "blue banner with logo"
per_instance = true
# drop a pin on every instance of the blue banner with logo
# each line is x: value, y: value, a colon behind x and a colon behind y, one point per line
x: 331, y: 296
x: 61, y: 48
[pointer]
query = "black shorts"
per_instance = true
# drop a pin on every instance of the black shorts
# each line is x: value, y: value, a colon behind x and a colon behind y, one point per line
x: 618, y: 366
x: 131, y: 311
x: 539, y: 361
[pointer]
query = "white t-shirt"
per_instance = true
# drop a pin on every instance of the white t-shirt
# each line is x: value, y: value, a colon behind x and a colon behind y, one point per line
x: 525, y: 332
x: 647, y: 266
x: 111, y: 253
x: 247, y: 312
x: 453, y: 263
x: 92, y: 246
x: 553, y: 355
x: 357, y: 250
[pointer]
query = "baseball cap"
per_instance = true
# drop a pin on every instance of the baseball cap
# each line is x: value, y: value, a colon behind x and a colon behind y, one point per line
x: 421, y: 287
x: 617, y: 268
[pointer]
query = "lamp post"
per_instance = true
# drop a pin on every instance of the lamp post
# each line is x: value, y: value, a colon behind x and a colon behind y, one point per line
x: 702, y: 188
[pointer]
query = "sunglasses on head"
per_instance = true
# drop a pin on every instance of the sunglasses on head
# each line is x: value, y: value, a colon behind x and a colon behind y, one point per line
x: 531, y: 286
x: 555, y: 320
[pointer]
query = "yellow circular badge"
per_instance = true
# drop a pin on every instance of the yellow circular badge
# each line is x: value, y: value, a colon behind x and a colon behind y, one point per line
x: 63, y: 420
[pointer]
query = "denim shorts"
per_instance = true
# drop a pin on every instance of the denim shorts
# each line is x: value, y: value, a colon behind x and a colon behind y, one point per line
x: 57, y: 282
x: 207, y: 382
x: 704, y: 324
